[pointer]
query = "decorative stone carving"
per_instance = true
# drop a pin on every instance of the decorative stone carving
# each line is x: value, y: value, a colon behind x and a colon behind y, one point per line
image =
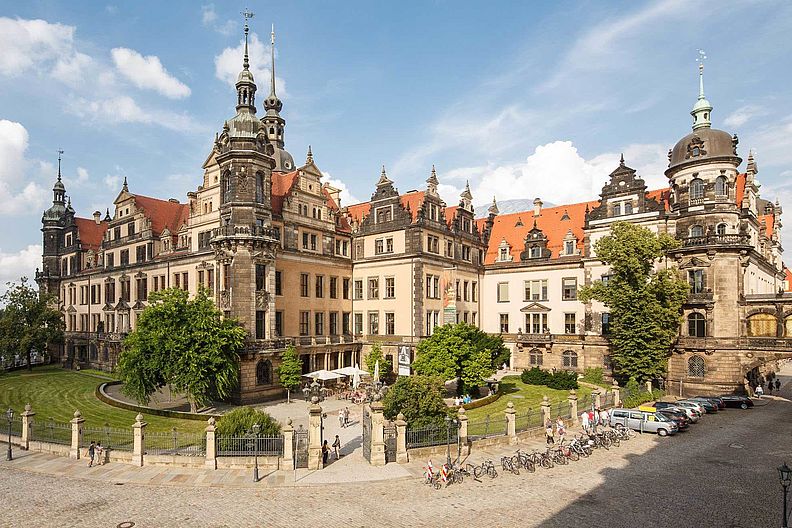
x: 262, y: 300
x: 225, y: 300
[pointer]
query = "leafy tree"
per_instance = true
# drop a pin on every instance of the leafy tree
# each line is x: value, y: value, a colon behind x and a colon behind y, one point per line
x: 385, y: 366
x: 184, y: 343
x: 645, y: 304
x: 290, y: 370
x: 29, y: 322
x: 459, y: 351
x: 241, y: 420
x: 418, y: 398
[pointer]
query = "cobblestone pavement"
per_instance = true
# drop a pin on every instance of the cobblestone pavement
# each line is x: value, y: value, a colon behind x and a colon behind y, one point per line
x: 720, y: 473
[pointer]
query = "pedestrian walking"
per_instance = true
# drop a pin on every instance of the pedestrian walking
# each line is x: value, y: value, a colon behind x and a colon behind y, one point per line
x: 90, y: 453
x: 561, y: 430
x: 346, y: 416
x: 325, y: 452
x: 584, y: 421
x: 778, y: 384
x: 549, y: 433
x: 604, y: 418
x: 99, y: 453
x: 593, y: 420
x: 337, y: 447
x: 759, y: 392
x: 341, y: 421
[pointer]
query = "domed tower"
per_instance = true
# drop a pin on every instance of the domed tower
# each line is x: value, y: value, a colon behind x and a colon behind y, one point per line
x: 274, y: 124
x: 53, y: 224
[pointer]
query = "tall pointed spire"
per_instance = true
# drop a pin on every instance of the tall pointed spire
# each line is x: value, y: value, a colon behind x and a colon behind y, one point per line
x: 702, y: 109
x: 60, y: 152
x: 309, y: 156
x: 59, y: 190
x: 246, y: 85
x: 245, y: 59
x: 432, y: 183
x: 272, y: 103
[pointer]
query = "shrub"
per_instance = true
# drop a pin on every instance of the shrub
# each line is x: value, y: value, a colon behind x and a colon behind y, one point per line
x: 535, y: 376
x: 594, y: 375
x: 241, y: 421
x: 418, y: 398
x: 559, y: 380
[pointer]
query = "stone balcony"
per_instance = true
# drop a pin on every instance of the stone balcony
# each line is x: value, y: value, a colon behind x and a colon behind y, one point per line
x: 717, y: 240
x: 782, y: 344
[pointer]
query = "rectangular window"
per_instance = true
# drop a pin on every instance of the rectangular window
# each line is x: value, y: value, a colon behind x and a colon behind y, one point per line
x: 456, y: 289
x: 226, y: 277
x: 359, y: 290
x: 109, y: 260
x: 390, y: 287
x: 305, y: 240
x: 466, y: 253
x: 536, y: 290
x: 124, y: 257
x: 569, y: 289
x: 373, y: 323
x: 379, y: 246
x: 186, y: 281
x: 432, y: 244
x: 429, y: 293
x: 503, y: 292
x: 345, y: 288
x: 358, y: 323
x: 140, y: 253
x: 304, y: 323
x: 130, y: 228
x: 606, y: 320
x: 319, y: 323
x: 373, y: 288
x: 333, y: 323
x: 473, y: 318
x: 210, y: 280
x: 279, y: 324
x: 177, y: 280
x: 334, y: 287
x: 389, y: 245
x: 142, y: 289
x: 696, y: 280
x: 278, y: 286
x: 303, y: 285
x: 504, y: 323
x: 474, y: 291
x: 116, y: 233
x: 390, y: 323
x: 201, y: 276
x: 428, y: 322
x: 436, y: 286
x: 345, y: 323
x: 110, y: 292
x: 319, y: 283
x: 569, y: 247
x: 383, y: 214
x: 261, y: 271
x: 260, y: 324
x: 465, y: 290
x: 450, y: 249
x: 125, y: 291
x: 313, y: 242
x: 569, y: 323
x: 536, y: 323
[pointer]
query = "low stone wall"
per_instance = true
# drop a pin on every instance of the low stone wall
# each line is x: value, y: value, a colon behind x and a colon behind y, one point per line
x: 264, y: 462
x: 174, y: 460
x: 102, y: 395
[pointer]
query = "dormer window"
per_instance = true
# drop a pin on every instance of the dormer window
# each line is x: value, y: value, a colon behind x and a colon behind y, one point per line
x: 628, y: 208
x: 617, y: 209
x: 68, y: 240
x: 569, y: 247
x: 695, y: 152
x: 384, y: 214
x: 503, y: 253
x: 536, y: 252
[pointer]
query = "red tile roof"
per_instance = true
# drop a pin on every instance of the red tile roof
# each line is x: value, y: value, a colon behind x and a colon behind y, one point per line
x: 769, y: 221
x: 413, y: 199
x: 282, y: 183
x: 788, y: 278
x: 163, y: 213
x: 450, y: 214
x: 740, y: 189
x: 90, y: 233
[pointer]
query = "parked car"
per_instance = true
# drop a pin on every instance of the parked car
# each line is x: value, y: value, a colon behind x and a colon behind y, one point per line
x: 692, y: 413
x: 679, y: 417
x: 733, y: 400
x: 708, y: 405
x: 715, y: 399
x: 644, y: 421
x: 692, y: 405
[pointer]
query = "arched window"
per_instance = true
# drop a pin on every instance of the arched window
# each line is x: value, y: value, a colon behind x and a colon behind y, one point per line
x: 259, y: 188
x: 696, y: 231
x: 570, y: 358
x: 535, y: 357
x: 105, y: 354
x: 720, y: 186
x: 227, y: 187
x: 720, y: 229
x: 696, y: 367
x: 264, y: 372
x: 94, y: 354
x: 696, y: 189
x: 762, y: 325
x: 697, y: 325
x: 628, y: 210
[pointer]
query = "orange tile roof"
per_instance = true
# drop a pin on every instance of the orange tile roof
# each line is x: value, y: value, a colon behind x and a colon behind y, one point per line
x: 769, y: 221
x: 90, y: 233
x: 450, y: 214
x: 414, y: 200
x: 358, y: 212
x: 163, y: 213
x: 788, y: 278
x: 282, y: 183
x: 740, y: 189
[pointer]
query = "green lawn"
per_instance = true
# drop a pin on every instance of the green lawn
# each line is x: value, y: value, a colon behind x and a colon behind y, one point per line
x: 523, y: 397
x: 56, y: 393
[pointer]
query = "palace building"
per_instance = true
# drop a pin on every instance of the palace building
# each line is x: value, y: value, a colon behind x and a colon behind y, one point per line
x: 277, y: 250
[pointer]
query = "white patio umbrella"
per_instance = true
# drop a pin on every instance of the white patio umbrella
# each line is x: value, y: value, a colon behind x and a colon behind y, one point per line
x: 351, y: 371
x: 322, y: 375
x: 356, y: 377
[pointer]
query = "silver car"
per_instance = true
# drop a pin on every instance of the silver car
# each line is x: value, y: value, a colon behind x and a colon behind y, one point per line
x: 692, y: 414
x: 643, y: 421
x: 690, y: 404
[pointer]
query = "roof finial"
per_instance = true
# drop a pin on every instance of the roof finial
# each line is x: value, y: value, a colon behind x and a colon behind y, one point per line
x: 493, y: 209
x: 702, y: 109
x: 272, y: 59
x: 621, y: 161
x: 309, y: 157
x: 383, y: 178
x: 60, y: 152
x: 125, y: 188
x: 248, y: 15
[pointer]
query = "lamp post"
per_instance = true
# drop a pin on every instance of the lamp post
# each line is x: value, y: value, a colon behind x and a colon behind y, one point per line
x: 785, y: 474
x: 10, y: 416
x: 256, y: 431
x: 449, y: 421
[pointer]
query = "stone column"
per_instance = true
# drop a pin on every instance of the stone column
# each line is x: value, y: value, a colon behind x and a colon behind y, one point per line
x: 401, y: 439
x: 211, y: 446
x: 77, y: 426
x: 616, y: 395
x: 138, y: 440
x: 377, y: 434
x: 463, y: 431
x: 573, y: 406
x: 545, y: 410
x: 288, y: 445
x: 511, y: 426
x: 27, y: 422
x: 315, y: 437
x: 597, y: 393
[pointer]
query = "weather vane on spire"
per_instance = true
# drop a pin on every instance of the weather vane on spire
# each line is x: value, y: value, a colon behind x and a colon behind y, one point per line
x: 60, y: 152
x: 247, y: 14
x: 702, y: 56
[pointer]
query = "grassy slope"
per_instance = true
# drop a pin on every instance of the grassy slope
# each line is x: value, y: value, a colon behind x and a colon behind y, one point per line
x: 57, y: 393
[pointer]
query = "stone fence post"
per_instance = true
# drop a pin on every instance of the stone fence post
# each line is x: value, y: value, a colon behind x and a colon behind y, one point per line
x: 511, y: 426
x: 401, y: 440
x: 27, y: 423
x: 288, y: 445
x: 211, y: 444
x: 315, y: 437
x: 463, y: 431
x: 597, y: 393
x: 573, y: 407
x: 77, y: 427
x: 616, y: 395
x: 138, y: 440
x: 545, y: 410
x: 377, y: 434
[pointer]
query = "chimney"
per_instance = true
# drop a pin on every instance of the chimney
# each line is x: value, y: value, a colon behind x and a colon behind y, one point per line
x: 334, y: 193
x: 537, y: 207
x: 97, y: 217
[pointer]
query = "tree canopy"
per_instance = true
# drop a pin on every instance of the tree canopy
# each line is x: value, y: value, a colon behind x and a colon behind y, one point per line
x: 418, y: 398
x: 374, y: 355
x: 184, y: 343
x: 290, y: 370
x: 460, y: 351
x: 241, y: 420
x: 645, y: 305
x: 29, y: 321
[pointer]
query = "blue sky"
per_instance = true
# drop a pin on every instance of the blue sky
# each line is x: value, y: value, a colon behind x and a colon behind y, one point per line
x: 523, y: 99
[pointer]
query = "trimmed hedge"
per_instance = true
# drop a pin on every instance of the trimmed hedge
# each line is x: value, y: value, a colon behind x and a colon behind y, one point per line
x: 637, y: 399
x: 561, y: 379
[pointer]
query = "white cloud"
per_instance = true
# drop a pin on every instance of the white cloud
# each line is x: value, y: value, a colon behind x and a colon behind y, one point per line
x: 148, y: 73
x: 71, y: 70
x: 208, y: 14
x: 23, y: 263
x: 124, y: 109
x: 346, y: 197
x: 209, y: 19
x: 742, y: 115
x: 30, y: 44
x: 17, y: 194
x: 228, y: 64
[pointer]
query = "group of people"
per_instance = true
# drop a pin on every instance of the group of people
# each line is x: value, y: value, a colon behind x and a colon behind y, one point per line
x: 551, y: 429
x: 771, y: 384
x: 336, y: 449
x: 95, y: 451
x: 462, y: 400
x: 343, y: 417
x: 592, y: 419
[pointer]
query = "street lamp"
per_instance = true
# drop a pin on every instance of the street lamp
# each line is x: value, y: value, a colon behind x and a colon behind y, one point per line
x: 10, y: 416
x: 256, y: 431
x: 449, y: 421
x: 785, y: 474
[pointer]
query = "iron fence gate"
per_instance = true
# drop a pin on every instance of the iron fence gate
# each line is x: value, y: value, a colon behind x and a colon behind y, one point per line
x: 300, y: 448
x: 366, y: 433
x: 390, y: 442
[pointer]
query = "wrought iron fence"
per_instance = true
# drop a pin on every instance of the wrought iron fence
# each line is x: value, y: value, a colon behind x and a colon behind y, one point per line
x: 51, y: 431
x: 246, y: 445
x: 488, y: 426
x: 16, y: 427
x: 560, y: 409
x: 175, y: 443
x: 608, y: 399
x: 530, y: 419
x: 114, y: 439
x: 432, y: 435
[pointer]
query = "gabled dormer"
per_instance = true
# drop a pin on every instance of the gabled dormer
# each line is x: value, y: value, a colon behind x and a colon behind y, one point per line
x: 535, y: 245
x: 623, y: 195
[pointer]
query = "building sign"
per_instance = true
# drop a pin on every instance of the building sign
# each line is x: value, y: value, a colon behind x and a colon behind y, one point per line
x: 404, y: 361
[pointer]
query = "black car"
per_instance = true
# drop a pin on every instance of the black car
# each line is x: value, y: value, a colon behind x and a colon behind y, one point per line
x: 717, y: 400
x: 735, y: 401
x: 678, y: 418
